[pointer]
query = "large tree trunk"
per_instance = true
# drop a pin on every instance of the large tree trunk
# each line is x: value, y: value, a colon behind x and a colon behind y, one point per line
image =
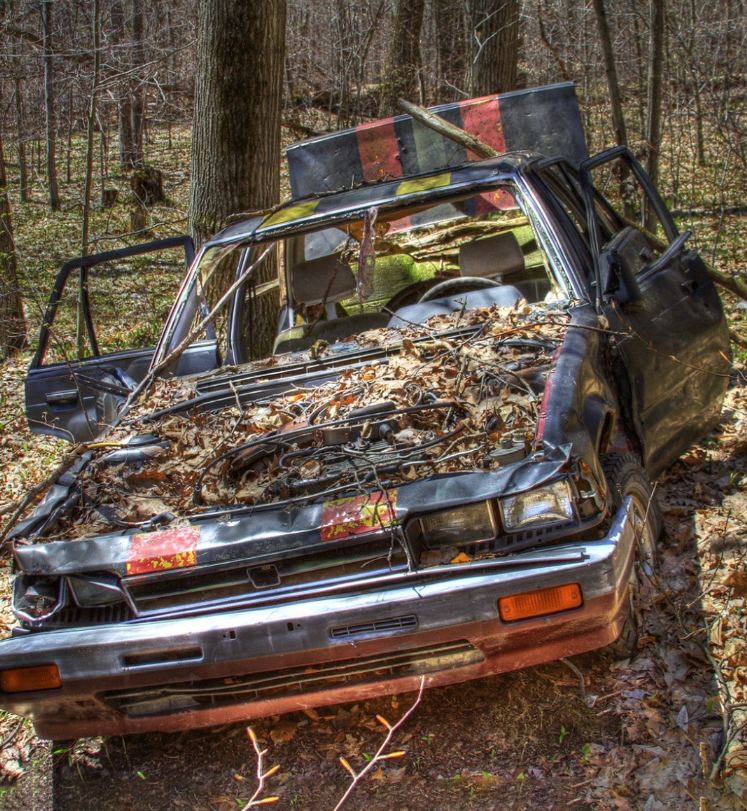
x: 494, y: 34
x: 12, y: 319
x: 48, y: 21
x: 236, y: 134
x: 403, y: 63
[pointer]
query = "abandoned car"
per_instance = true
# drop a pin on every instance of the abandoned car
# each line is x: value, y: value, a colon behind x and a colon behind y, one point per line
x: 440, y: 470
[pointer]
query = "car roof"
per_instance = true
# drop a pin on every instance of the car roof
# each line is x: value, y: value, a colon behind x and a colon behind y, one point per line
x: 310, y: 213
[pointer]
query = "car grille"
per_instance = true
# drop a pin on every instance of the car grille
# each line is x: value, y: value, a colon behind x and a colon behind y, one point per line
x: 76, y: 617
x: 374, y: 627
x: 302, y: 680
x: 246, y: 584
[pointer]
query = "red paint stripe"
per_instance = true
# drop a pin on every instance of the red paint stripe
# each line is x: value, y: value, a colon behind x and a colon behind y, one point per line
x: 358, y: 515
x: 379, y: 150
x: 483, y: 119
x: 539, y: 435
x: 161, y: 551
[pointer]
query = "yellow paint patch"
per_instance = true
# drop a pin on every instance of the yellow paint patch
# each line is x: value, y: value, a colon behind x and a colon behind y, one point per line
x: 423, y: 184
x: 297, y: 212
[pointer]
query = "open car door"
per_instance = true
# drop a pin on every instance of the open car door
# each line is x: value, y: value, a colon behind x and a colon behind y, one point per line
x: 103, y: 320
x: 661, y: 304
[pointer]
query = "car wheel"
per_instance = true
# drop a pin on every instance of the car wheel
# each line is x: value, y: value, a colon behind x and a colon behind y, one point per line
x: 625, y: 477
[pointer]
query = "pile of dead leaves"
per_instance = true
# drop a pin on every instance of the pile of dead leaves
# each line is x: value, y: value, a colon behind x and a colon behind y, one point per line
x: 447, y: 394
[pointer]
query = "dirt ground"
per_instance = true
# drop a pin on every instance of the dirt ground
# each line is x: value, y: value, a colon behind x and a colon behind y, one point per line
x: 658, y: 731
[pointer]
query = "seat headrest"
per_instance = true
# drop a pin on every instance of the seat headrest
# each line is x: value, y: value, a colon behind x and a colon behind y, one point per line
x: 492, y: 257
x: 310, y: 280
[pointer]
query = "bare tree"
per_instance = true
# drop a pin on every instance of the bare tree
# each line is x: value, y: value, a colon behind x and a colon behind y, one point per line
x: 655, y: 80
x: 12, y: 319
x: 49, y: 97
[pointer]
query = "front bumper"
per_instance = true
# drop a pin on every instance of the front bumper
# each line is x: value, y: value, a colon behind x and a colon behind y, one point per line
x: 443, y: 624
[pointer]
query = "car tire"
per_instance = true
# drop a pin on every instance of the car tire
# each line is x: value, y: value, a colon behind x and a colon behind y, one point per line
x: 625, y: 477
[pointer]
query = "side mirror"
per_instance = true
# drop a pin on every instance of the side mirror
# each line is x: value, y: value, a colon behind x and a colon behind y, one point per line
x: 619, y: 282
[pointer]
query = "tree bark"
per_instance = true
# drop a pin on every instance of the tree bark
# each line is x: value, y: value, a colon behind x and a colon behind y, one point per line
x: 403, y: 62
x: 21, y: 139
x: 610, y: 68
x: 138, y: 92
x: 12, y: 319
x: 236, y: 134
x: 47, y: 22
x: 494, y: 35
x: 451, y: 49
x: 80, y: 330
x: 653, y: 116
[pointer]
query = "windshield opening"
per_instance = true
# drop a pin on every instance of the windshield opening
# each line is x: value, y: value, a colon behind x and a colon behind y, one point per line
x: 381, y: 268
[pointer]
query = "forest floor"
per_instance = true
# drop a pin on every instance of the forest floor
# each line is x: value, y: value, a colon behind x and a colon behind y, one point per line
x: 660, y: 730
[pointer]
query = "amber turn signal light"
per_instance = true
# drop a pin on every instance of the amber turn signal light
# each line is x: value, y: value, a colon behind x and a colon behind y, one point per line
x: 540, y: 602
x: 30, y: 679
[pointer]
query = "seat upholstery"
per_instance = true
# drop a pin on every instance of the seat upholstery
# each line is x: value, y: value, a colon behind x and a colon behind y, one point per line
x: 495, y: 257
x: 328, y: 274
x: 503, y: 296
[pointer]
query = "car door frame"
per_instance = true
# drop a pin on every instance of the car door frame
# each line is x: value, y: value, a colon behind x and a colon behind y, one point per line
x: 65, y: 399
x: 671, y: 334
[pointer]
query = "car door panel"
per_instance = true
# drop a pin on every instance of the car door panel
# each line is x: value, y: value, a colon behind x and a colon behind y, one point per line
x: 675, y: 345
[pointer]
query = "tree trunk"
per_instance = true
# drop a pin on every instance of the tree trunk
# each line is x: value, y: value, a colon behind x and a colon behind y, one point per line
x: 21, y: 136
x: 236, y: 134
x: 451, y: 47
x: 47, y: 22
x: 138, y: 93
x: 12, y: 319
x: 494, y: 34
x: 653, y: 116
x: 403, y: 63
x: 610, y: 68
x: 80, y: 331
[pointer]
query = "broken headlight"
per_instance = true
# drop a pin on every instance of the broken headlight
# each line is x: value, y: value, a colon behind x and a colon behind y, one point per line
x: 551, y: 504
x: 36, y: 598
x: 96, y: 590
x: 463, y: 525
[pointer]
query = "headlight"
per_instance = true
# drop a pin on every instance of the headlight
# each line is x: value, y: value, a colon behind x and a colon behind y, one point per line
x: 91, y: 591
x: 463, y: 525
x: 36, y: 598
x: 545, y: 505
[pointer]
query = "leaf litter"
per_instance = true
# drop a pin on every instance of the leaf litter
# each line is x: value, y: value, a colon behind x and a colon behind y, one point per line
x: 437, y: 404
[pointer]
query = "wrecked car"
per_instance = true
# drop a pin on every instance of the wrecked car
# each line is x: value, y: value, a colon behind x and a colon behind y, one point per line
x: 441, y: 469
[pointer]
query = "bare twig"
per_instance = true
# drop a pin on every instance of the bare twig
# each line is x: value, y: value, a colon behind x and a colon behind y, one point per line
x: 379, y: 756
x: 261, y: 775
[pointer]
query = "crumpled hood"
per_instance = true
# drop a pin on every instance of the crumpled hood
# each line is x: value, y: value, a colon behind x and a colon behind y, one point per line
x: 458, y: 395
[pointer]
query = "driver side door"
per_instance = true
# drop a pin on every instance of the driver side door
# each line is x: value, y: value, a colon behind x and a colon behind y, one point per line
x: 103, y: 320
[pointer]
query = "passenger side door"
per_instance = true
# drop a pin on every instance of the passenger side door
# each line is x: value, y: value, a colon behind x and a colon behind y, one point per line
x: 661, y: 305
x: 103, y: 320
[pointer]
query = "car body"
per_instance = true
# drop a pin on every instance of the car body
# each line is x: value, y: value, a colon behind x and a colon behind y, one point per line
x: 418, y: 483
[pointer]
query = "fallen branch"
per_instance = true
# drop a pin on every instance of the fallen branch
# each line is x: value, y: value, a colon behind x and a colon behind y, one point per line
x: 443, y: 127
x: 379, y: 756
